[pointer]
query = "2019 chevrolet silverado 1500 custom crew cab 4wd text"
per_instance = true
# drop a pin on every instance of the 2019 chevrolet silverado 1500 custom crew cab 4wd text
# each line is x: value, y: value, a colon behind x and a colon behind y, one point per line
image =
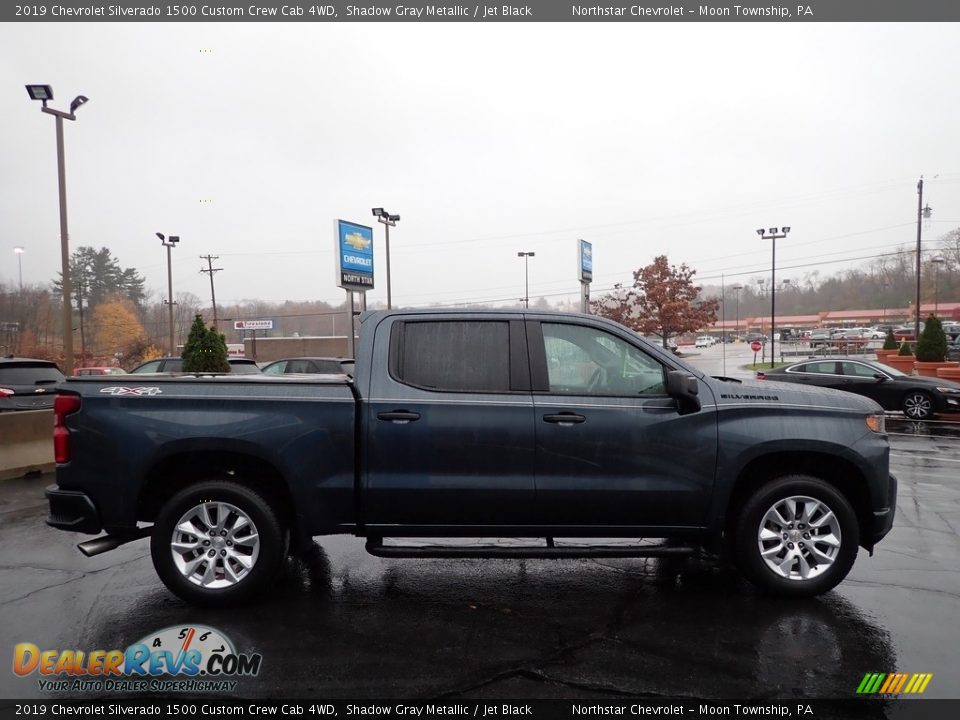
x: 473, y: 424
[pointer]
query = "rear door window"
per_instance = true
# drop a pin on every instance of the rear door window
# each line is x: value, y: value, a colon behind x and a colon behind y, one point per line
x: 819, y: 368
x: 461, y: 356
x: 277, y: 368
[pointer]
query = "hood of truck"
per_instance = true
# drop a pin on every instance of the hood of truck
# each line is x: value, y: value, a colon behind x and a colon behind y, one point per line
x: 766, y: 392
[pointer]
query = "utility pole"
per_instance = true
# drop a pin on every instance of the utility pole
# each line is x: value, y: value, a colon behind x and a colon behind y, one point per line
x: 213, y: 296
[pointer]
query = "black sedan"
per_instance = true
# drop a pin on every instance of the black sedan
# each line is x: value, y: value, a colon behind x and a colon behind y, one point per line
x: 919, y: 398
x: 27, y: 384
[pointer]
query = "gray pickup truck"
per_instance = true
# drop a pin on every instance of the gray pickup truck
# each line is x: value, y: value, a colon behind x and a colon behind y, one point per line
x: 474, y: 424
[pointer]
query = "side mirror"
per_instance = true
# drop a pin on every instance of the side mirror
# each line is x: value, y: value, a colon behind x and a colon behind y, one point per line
x: 685, y: 389
x: 880, y: 376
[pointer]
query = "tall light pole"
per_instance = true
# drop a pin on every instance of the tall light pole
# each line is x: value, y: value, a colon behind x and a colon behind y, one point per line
x: 43, y: 93
x: 19, y: 252
x: 937, y: 262
x: 170, y: 243
x: 773, y: 234
x: 388, y: 222
x: 526, y: 276
x: 922, y: 212
x: 736, y: 328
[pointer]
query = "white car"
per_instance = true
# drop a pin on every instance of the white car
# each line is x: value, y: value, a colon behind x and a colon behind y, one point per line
x: 704, y: 341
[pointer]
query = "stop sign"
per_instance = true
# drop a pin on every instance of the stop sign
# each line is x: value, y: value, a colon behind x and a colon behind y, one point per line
x: 755, y: 346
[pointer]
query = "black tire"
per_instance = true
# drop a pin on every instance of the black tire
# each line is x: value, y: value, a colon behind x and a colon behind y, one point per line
x: 265, y: 564
x: 918, y: 405
x: 788, y: 581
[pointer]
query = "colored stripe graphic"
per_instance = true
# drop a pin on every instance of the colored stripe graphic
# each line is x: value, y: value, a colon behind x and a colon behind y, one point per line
x: 894, y: 683
x: 891, y: 680
x: 861, y: 688
x: 876, y: 683
x: 903, y: 681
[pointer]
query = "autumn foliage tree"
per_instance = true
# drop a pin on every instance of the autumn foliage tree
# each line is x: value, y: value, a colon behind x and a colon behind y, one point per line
x: 663, y: 301
x: 117, y: 331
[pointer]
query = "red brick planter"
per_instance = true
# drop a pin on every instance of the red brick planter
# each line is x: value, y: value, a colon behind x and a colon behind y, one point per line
x: 903, y: 363
x: 929, y: 369
x: 950, y: 373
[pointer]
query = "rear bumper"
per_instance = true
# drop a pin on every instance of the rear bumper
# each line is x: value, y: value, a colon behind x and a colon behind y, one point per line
x: 72, y: 510
x: 883, y: 519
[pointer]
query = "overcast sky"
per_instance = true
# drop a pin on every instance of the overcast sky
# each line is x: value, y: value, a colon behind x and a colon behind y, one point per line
x: 247, y: 140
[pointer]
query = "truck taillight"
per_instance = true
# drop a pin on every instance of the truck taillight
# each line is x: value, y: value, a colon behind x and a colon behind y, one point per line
x: 63, y: 405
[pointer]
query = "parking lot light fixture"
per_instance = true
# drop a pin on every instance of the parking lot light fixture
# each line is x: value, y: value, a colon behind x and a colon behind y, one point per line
x: 736, y: 328
x: 388, y: 221
x: 44, y: 93
x: 526, y: 276
x: 774, y: 235
x: 40, y: 92
x: 937, y: 262
x: 169, y: 244
x: 923, y: 213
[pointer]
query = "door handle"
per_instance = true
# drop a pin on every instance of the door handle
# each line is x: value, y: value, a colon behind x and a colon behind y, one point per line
x: 399, y: 417
x: 565, y: 418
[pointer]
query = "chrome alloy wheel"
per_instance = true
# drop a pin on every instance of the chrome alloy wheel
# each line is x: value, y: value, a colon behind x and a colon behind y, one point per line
x: 215, y: 545
x: 799, y: 537
x: 917, y: 406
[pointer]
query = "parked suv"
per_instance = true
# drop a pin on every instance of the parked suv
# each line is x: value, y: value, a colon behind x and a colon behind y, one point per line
x: 27, y: 383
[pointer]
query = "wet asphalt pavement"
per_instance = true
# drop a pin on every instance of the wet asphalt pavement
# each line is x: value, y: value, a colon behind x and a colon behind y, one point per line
x: 343, y: 624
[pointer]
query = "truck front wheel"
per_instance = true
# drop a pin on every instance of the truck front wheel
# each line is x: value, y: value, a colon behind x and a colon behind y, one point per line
x: 797, y: 536
x: 217, y: 543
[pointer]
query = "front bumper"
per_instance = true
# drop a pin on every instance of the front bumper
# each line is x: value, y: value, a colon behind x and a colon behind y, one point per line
x: 883, y: 519
x: 72, y: 510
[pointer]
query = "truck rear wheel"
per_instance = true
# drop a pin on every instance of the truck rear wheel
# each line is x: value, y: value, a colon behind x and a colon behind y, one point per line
x: 797, y: 536
x: 217, y: 543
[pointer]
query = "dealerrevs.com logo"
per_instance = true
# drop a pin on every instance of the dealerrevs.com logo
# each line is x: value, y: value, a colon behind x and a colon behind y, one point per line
x: 175, y: 659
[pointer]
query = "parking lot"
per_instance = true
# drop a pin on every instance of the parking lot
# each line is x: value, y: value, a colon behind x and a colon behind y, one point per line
x: 345, y: 624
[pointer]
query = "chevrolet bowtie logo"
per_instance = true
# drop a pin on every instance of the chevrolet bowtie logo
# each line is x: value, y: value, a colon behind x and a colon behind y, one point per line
x: 356, y: 241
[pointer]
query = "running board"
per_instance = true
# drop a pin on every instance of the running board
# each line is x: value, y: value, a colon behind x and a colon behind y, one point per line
x: 107, y: 543
x: 376, y: 547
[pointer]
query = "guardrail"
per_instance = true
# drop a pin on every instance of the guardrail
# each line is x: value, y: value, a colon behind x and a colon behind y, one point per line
x: 26, y: 442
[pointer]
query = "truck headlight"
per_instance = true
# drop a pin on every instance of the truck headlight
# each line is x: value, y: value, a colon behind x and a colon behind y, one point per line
x: 877, y: 423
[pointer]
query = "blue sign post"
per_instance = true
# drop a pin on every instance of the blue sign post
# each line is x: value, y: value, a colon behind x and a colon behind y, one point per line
x: 354, y: 256
x: 585, y: 263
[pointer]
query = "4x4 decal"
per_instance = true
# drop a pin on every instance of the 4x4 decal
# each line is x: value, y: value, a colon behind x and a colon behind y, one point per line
x: 118, y: 390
